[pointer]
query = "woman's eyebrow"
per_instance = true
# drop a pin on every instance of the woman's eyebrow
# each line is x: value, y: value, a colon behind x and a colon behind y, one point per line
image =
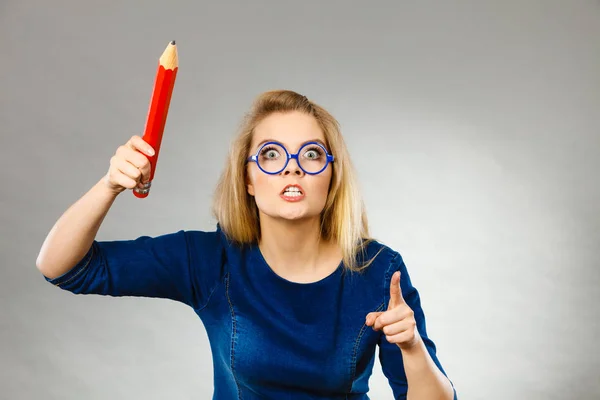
x: 273, y: 140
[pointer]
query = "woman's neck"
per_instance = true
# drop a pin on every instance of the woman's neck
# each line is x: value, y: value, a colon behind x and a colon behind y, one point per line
x: 295, y: 248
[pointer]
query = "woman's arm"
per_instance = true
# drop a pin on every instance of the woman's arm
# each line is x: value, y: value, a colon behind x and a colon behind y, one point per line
x: 425, y: 380
x: 184, y: 266
x: 72, y: 235
x: 411, y: 365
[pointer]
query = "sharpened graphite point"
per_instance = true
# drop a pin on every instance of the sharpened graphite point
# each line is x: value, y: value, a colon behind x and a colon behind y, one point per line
x: 173, y: 42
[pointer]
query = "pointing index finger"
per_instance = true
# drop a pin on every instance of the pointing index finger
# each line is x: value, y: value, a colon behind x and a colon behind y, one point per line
x: 396, y: 297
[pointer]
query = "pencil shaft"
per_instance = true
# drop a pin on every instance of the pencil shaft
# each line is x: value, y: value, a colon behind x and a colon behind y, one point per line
x: 160, y: 101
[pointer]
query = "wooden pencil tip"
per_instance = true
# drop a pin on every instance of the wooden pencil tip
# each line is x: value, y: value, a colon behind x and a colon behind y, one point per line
x: 173, y: 42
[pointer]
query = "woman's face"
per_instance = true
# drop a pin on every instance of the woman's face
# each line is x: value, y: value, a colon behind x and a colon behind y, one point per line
x: 291, y: 130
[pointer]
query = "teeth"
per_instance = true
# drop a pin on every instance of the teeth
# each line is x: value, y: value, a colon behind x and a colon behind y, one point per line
x: 292, y: 192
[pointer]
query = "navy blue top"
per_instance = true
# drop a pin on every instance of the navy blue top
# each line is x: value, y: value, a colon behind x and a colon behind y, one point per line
x: 270, y: 338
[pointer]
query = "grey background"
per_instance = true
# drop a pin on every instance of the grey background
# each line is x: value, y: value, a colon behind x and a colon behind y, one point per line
x: 473, y: 125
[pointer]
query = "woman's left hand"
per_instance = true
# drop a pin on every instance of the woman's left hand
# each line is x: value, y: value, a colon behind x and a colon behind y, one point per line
x: 398, y: 322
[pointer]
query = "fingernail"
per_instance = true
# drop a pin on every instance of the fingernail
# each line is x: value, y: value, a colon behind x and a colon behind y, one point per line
x: 150, y: 151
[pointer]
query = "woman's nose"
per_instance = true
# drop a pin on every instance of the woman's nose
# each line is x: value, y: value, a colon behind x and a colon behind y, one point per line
x: 293, y: 167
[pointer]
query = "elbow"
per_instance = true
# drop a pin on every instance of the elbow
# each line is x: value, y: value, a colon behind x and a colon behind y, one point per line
x: 39, y: 263
x: 42, y: 266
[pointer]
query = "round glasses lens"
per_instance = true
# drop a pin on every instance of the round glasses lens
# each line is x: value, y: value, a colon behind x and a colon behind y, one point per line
x: 272, y: 158
x: 312, y: 158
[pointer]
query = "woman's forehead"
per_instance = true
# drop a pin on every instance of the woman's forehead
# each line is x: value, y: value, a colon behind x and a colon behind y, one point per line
x: 290, y: 129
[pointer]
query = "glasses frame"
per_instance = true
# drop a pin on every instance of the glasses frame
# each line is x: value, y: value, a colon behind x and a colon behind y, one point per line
x: 254, y: 158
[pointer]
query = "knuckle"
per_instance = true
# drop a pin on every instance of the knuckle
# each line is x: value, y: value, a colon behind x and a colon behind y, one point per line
x: 143, y: 161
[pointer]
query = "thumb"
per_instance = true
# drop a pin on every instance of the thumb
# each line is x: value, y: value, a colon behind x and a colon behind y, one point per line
x: 395, y: 292
x: 371, y: 317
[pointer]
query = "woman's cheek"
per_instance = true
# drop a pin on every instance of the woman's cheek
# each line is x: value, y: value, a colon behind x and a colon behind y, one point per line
x: 323, y: 191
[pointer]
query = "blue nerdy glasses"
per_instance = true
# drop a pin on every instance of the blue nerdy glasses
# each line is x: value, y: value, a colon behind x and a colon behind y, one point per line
x: 273, y: 157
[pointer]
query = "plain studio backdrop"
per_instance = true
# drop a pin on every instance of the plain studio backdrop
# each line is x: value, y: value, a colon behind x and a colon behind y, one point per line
x: 473, y: 126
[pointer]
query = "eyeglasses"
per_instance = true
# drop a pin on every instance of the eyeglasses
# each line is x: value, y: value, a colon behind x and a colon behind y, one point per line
x: 273, y: 157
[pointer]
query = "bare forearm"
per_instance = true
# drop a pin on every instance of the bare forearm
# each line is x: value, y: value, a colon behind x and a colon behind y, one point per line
x: 72, y: 235
x: 425, y: 380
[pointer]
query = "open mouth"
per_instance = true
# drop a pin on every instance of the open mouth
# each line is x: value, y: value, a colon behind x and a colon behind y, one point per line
x: 292, y: 191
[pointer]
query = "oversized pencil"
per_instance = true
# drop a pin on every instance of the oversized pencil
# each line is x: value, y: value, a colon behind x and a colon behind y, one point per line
x: 168, y: 65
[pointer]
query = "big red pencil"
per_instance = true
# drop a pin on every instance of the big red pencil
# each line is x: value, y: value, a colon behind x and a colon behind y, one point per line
x: 168, y: 65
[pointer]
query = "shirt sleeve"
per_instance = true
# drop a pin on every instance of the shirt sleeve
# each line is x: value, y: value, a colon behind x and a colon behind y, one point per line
x: 183, y: 266
x: 390, y: 354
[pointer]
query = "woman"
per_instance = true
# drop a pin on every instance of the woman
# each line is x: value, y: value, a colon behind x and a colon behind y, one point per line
x: 294, y: 294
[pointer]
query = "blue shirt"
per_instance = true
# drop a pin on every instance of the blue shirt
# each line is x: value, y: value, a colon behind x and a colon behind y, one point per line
x: 270, y: 338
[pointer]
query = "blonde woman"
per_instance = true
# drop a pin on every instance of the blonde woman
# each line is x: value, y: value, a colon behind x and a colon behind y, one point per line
x: 294, y: 294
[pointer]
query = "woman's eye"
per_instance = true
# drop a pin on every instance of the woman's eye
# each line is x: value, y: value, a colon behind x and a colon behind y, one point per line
x: 313, y: 154
x: 270, y: 153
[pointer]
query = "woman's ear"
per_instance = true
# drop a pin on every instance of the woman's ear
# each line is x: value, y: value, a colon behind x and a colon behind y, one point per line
x: 249, y: 186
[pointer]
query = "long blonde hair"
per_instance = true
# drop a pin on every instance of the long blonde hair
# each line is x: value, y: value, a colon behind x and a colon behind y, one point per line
x: 343, y: 219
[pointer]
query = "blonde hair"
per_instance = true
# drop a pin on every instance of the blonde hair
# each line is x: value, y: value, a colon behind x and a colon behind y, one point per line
x: 343, y: 219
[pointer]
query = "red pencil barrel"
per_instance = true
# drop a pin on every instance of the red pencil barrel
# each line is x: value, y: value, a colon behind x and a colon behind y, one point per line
x: 157, y: 117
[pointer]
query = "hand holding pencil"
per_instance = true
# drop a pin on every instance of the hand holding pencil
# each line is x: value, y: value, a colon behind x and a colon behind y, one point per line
x: 130, y: 166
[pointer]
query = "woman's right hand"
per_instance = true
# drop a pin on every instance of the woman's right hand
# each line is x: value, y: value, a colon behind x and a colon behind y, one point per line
x: 129, y: 167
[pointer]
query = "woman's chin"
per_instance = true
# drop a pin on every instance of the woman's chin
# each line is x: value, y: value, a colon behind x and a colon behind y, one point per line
x: 292, y: 216
x: 294, y: 212
x: 295, y: 215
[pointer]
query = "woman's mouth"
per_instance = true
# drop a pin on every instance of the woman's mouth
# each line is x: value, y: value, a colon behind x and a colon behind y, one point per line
x: 292, y: 193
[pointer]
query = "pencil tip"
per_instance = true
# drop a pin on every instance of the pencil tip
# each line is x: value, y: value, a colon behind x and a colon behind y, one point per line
x: 173, y: 42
